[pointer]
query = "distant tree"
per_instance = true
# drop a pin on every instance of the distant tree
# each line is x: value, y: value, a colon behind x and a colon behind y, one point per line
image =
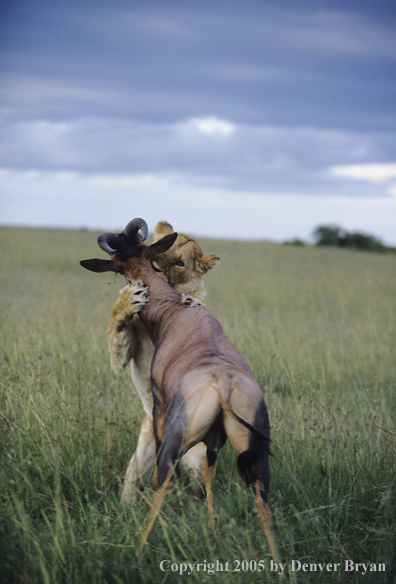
x: 366, y: 242
x: 327, y: 235
x: 296, y: 241
x: 336, y: 236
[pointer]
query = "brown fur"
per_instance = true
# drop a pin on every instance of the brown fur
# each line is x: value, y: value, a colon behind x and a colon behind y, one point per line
x: 128, y: 341
x: 203, y: 389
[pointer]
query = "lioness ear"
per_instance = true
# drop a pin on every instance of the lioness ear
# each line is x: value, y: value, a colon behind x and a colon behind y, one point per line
x: 98, y: 266
x: 206, y: 263
x: 162, y: 228
x: 162, y: 245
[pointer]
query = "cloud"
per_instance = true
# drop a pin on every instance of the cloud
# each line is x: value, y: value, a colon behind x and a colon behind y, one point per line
x: 338, y: 33
x: 209, y: 150
x: 212, y: 126
x: 371, y: 172
x: 254, y: 62
x: 375, y: 173
x: 108, y: 201
x: 262, y: 102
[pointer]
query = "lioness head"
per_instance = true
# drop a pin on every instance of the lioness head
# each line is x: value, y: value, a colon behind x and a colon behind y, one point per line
x: 184, y: 264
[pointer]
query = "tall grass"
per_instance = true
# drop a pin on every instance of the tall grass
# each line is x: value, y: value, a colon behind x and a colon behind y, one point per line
x: 317, y: 327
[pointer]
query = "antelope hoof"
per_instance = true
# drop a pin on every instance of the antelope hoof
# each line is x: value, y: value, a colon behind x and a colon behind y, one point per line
x: 212, y: 522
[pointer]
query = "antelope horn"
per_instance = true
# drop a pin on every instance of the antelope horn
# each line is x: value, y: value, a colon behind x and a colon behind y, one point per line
x: 108, y: 242
x: 131, y: 230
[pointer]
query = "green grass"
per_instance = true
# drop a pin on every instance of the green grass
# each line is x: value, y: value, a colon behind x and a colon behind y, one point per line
x: 317, y: 327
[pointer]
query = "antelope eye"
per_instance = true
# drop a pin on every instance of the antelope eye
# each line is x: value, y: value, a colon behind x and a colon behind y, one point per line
x: 179, y: 263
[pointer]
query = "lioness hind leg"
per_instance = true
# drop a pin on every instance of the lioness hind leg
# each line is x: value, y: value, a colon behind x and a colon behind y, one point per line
x: 192, y: 463
x: 140, y: 464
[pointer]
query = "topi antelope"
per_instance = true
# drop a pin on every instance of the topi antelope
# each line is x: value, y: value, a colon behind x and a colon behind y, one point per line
x: 203, y: 389
x: 183, y: 267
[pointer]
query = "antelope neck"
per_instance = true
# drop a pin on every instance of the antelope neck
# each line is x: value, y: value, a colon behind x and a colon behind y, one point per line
x: 164, y: 301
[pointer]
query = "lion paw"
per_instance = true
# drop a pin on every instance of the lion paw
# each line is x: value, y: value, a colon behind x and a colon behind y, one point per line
x: 189, y: 300
x: 132, y: 299
x: 136, y: 295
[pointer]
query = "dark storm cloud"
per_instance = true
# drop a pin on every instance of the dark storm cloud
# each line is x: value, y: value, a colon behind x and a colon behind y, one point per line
x: 256, y: 96
x: 276, y: 158
x: 253, y: 62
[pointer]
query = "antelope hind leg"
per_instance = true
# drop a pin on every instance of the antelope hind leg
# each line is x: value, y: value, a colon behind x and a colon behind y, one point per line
x: 265, y: 518
x: 208, y: 477
x: 168, y: 452
x: 156, y: 505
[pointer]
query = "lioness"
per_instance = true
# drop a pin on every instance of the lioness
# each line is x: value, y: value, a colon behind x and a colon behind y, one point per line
x: 182, y: 267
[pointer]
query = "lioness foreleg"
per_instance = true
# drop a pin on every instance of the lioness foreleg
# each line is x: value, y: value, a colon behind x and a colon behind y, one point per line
x: 121, y: 337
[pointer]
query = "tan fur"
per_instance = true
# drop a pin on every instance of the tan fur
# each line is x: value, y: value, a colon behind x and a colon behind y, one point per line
x: 188, y: 277
x: 203, y: 389
x: 204, y: 392
x: 128, y: 341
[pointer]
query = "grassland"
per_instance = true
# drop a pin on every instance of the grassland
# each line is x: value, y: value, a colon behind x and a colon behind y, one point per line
x: 318, y: 327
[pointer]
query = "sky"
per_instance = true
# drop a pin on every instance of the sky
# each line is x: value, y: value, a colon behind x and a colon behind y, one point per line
x: 259, y: 119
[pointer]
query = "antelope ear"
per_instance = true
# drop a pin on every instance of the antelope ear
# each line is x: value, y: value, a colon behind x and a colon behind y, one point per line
x: 162, y: 245
x: 96, y: 265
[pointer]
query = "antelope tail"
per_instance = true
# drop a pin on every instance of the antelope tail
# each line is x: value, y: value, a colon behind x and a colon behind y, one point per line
x: 224, y: 396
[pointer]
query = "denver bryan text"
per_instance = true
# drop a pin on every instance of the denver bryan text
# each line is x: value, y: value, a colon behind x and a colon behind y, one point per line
x: 349, y: 566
